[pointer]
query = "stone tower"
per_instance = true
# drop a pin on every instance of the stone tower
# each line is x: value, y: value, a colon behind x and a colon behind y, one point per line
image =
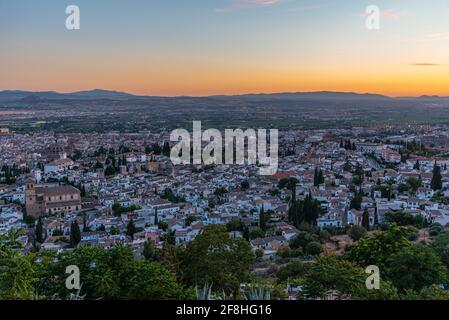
x: 32, y: 207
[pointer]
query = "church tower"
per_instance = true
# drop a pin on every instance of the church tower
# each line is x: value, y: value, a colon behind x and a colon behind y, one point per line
x: 32, y: 207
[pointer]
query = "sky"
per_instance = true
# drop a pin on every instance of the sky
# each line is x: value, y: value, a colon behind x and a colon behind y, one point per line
x: 206, y: 47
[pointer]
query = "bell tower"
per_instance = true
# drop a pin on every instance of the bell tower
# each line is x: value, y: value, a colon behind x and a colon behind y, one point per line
x: 31, y: 204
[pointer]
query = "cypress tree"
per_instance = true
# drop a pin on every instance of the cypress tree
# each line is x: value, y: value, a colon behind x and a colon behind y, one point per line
x: 156, y: 220
x: 320, y: 177
x: 38, y: 231
x: 246, y: 233
x: 262, y: 222
x: 376, y: 217
x: 166, y: 149
x: 365, y: 219
x: 315, y: 178
x: 131, y: 229
x: 75, y: 234
x: 436, y: 182
x: 416, y: 166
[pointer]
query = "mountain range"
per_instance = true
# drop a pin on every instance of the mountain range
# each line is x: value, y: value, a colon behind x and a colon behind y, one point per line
x: 32, y: 96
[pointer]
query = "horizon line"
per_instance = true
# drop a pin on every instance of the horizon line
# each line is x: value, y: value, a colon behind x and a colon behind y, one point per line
x: 224, y: 94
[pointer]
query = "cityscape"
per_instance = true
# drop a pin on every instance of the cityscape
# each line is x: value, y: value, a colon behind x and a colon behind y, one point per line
x: 99, y: 199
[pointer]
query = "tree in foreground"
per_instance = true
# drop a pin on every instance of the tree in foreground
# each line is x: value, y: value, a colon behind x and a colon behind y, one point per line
x: 112, y: 274
x: 149, y: 250
x: 214, y: 258
x: 416, y: 267
x: 342, y: 279
x: 377, y: 249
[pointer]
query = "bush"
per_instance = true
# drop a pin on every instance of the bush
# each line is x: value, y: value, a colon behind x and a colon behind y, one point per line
x: 286, y: 252
x: 313, y: 248
x: 291, y: 270
x: 324, y: 235
x: 302, y: 239
x: 435, y: 229
x: 412, y: 236
x: 357, y: 232
x: 402, y: 218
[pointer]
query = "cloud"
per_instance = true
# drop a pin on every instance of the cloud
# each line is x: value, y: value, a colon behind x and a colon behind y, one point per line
x: 426, y: 64
x: 389, y: 14
x: 239, y: 4
x: 308, y: 8
x: 438, y: 36
x: 392, y: 14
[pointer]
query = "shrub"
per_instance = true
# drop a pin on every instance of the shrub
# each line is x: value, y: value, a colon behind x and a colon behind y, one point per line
x: 357, y: 232
x: 313, y: 248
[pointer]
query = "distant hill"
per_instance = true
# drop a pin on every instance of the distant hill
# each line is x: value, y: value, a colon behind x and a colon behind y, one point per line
x: 100, y: 94
x: 15, y: 95
x: 30, y: 96
x: 318, y: 95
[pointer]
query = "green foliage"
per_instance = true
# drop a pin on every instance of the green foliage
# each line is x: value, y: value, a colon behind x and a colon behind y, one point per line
x: 191, y: 218
x: 75, y: 234
x: 257, y: 233
x: 342, y: 277
x: 288, y: 183
x: 357, y: 232
x: 38, y: 231
x: 293, y: 269
x: 171, y: 196
x: 118, y: 209
x: 440, y: 245
x: 149, y: 250
x: 431, y: 293
x: 244, y: 185
x: 306, y: 210
x: 235, y: 225
x: 262, y: 219
x: 162, y: 225
x: 414, y: 183
x: 402, y: 218
x: 356, y: 202
x: 318, y: 177
x: 110, y: 171
x: 415, y: 267
x: 435, y: 229
x: 207, y: 260
x: 131, y: 229
x: 313, y: 248
x: 105, y: 274
x: 57, y: 233
x: 30, y: 220
x: 436, y: 182
x: 287, y: 252
x: 365, y: 219
x: 220, y: 191
x: 303, y: 239
x: 258, y: 293
x: 377, y: 249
